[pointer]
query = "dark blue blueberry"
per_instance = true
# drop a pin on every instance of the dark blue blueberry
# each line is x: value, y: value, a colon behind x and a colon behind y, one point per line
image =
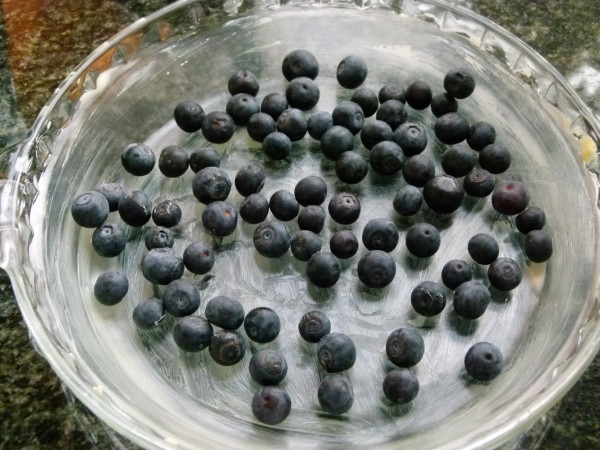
x: 418, y: 95
x: 443, y: 194
x: 459, y: 82
x: 408, y: 200
x: 274, y: 104
x: 504, y: 274
x: 343, y: 244
x: 267, y: 367
x: 283, y: 205
x: 323, y: 268
x: 392, y: 92
x: 495, y: 158
x: 484, y: 361
x: 300, y: 63
x: 241, y: 107
x: 219, y: 218
x: 161, y: 266
x: 135, y: 208
x: 113, y: 193
x: 428, y: 298
x: 312, y: 218
x: 451, y: 128
x: 380, y: 234
x: 455, y: 272
x: 532, y: 218
x: 293, y: 124
x: 166, y: 214
x: 374, y: 132
x: 352, y: 71
x: 181, y: 298
x: 250, y: 179
x: 260, y: 125
x: 411, y: 137
x: 272, y: 239
x: 335, y: 141
x: 302, y: 93
x: 271, y: 405
x: 418, y: 170
x: 262, y: 324
x: 227, y: 347
x: 243, y: 82
x: 158, y: 237
x: 192, y: 333
x: 310, y: 190
x: 386, y: 158
x: 367, y: 100
x: 111, y: 287
x: 335, y: 394
x: 442, y: 104
x: 351, y: 167
x: 217, y: 127
x: 318, y: 123
x: 90, y: 209
x: 479, y: 183
x: 480, y: 135
x: 188, y: 116
x: 277, y: 146
x: 138, y: 159
x: 313, y: 326
x: 211, y: 184
x: 458, y: 161
x: 173, y: 161
x: 471, y: 299
x: 304, y: 244
x: 510, y: 197
x: 199, y: 258
x: 393, y: 112
x: 225, y: 312
x: 538, y: 246
x: 109, y: 240
x: 148, y: 313
x: 405, y: 347
x: 348, y: 115
x: 423, y: 240
x: 336, y: 352
x: 204, y: 157
x: 483, y: 248
x: 376, y: 269
x: 344, y: 208
x: 400, y: 386
x: 254, y: 209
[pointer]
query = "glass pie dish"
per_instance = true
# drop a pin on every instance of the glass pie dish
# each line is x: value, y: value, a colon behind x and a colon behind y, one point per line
x: 140, y: 384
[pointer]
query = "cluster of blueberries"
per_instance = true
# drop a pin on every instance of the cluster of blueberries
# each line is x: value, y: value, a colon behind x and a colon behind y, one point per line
x: 395, y: 146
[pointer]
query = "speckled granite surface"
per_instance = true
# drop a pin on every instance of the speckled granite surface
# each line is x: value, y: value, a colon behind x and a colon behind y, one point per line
x: 41, y: 41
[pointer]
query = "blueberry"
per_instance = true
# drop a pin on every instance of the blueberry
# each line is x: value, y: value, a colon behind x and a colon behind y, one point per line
x: 173, y: 161
x: 459, y: 83
x: 271, y: 405
x: 211, y: 184
x: 405, y: 347
x: 348, y: 115
x: 323, y: 269
x: 313, y: 326
x: 135, y: 208
x: 277, y: 145
x: 311, y: 218
x: 458, y: 161
x: 109, y: 240
x: 428, y: 298
x: 400, y: 386
x: 411, y: 137
x: 310, y: 190
x: 344, y: 208
x: 343, y: 244
x: 90, y: 209
x: 250, y: 179
x: 483, y: 248
x: 300, y: 63
x: 161, y: 266
x: 304, y: 244
x: 374, y: 132
x: 455, y: 272
x: 260, y: 125
x: 219, y: 218
x: 192, y: 333
x: 158, y: 237
x: 111, y: 287
x: 272, y: 239
x: 335, y: 141
x: 538, y: 246
x: 113, y: 193
x: 188, y: 116
x: 443, y: 194
x: 138, y: 159
x: 442, y: 104
x: 351, y: 71
x: 451, y: 128
x: 243, y: 81
x: 423, y: 240
x: 254, y: 209
x: 181, y: 298
x: 225, y: 312
x: 408, y: 200
x: 484, y: 361
x: 292, y: 123
x: 417, y: 170
x: 166, y: 214
x: 227, y: 347
x: 480, y: 135
x: 262, y: 324
x: 479, y: 183
x: 351, y: 167
x: 392, y: 112
x: 510, y: 197
x: 241, y: 107
x: 148, y: 313
x: 283, y: 205
x: 318, y: 123
x: 391, y: 92
x: 336, y: 352
x: 302, y: 93
x: 217, y: 127
x: 267, y: 367
x: 504, y: 274
x: 274, y: 104
x: 199, y: 258
x: 495, y: 158
x: 204, y: 157
x: 532, y: 218
x: 418, y: 95
x: 386, y: 158
x: 380, y: 234
x: 376, y: 269
x: 367, y: 100
x: 335, y: 394
x: 471, y: 299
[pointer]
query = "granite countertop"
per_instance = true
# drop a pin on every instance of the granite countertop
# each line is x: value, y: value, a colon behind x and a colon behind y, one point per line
x: 42, y: 41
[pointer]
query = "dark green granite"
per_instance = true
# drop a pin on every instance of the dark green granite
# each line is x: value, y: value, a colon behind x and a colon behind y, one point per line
x: 35, y: 412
